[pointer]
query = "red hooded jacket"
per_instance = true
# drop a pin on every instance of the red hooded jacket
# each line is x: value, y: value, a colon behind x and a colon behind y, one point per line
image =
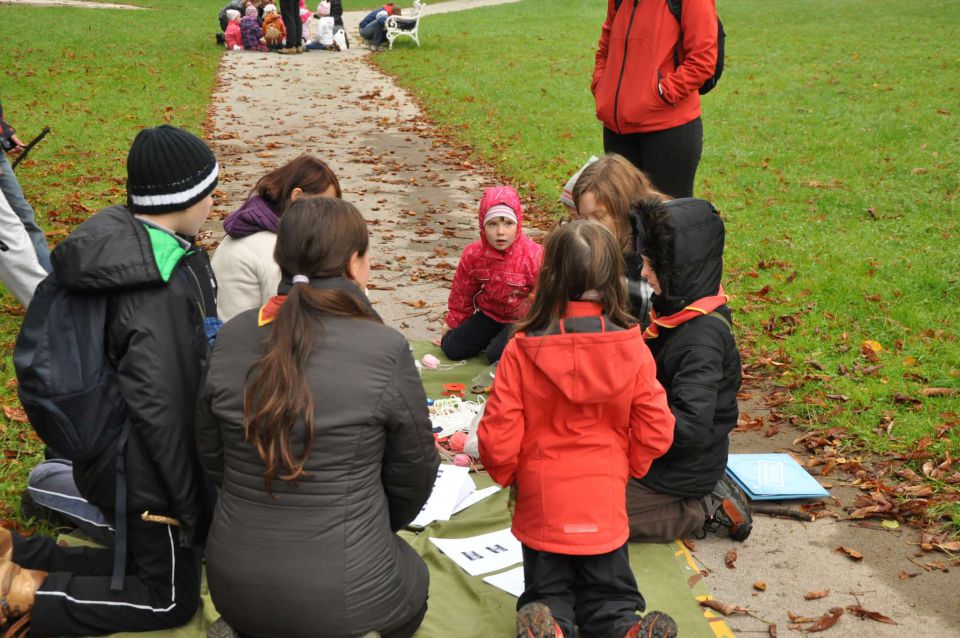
x: 498, y: 283
x: 570, y: 417
x: 636, y: 52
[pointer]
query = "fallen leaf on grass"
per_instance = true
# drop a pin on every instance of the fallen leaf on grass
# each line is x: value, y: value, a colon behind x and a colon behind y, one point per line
x: 816, y: 595
x: 730, y: 559
x: 826, y: 621
x: 15, y: 414
x: 940, y: 392
x: 860, y: 612
x: 851, y: 553
x: 724, y: 608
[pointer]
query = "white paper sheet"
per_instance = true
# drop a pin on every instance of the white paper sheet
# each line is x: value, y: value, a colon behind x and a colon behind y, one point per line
x: 452, y: 485
x: 475, y: 497
x: 482, y: 554
x: 509, y: 581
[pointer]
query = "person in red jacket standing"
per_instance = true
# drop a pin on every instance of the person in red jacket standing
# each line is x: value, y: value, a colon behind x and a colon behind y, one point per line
x: 649, y: 68
x: 493, y: 281
x: 576, y: 410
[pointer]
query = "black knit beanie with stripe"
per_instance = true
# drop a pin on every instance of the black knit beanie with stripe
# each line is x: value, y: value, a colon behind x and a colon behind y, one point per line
x: 168, y: 170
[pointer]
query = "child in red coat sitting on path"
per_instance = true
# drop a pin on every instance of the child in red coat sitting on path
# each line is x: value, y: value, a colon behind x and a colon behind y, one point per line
x: 493, y: 281
x: 575, y: 410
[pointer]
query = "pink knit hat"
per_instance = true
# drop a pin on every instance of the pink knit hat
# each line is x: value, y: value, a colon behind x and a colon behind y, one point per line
x: 250, y: 11
x: 324, y: 8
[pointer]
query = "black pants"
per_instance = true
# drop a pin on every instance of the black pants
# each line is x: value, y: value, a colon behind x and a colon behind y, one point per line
x: 477, y: 333
x: 669, y: 157
x: 406, y: 630
x: 161, y: 589
x: 290, y: 12
x: 597, y: 593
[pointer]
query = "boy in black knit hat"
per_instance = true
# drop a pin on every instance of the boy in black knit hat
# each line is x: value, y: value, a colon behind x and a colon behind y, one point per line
x: 160, y: 310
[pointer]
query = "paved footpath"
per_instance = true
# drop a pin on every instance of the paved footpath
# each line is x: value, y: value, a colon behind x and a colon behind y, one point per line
x: 419, y: 197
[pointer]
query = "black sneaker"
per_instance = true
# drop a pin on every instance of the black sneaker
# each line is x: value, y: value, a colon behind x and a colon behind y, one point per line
x: 730, y: 510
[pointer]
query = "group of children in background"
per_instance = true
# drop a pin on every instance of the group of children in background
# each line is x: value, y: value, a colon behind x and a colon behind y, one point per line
x: 258, y: 26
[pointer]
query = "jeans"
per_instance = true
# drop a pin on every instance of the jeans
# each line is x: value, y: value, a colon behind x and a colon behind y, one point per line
x: 669, y: 157
x: 10, y: 188
x: 375, y: 31
x: 51, y: 486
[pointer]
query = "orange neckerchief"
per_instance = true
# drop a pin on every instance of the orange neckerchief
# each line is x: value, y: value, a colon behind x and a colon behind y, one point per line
x: 699, y: 308
x: 268, y: 312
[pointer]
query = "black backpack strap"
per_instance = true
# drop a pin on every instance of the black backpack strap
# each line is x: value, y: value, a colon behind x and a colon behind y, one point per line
x: 676, y: 8
x: 120, y: 526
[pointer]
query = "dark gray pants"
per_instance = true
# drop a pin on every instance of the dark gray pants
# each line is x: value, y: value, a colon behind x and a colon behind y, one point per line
x: 661, y: 518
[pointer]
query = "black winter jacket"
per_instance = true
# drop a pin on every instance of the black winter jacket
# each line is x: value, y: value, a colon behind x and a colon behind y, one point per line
x: 329, y: 537
x: 160, y: 287
x: 697, y: 362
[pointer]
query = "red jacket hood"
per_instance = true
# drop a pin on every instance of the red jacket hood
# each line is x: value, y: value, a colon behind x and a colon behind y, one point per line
x: 500, y: 195
x: 584, y: 367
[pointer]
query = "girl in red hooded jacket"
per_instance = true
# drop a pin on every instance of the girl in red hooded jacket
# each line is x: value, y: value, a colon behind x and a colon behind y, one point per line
x: 493, y: 281
x: 576, y: 410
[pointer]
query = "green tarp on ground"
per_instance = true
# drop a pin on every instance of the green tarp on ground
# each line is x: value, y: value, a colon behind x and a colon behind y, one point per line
x: 465, y: 606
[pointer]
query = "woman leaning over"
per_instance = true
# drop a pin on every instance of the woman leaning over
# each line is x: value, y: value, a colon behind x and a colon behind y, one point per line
x: 314, y: 421
x: 247, y: 275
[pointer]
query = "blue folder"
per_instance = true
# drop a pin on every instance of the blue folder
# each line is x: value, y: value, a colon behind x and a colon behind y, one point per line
x: 772, y: 477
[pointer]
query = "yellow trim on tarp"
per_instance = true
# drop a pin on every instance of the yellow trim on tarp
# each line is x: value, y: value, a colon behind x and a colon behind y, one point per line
x: 718, y: 625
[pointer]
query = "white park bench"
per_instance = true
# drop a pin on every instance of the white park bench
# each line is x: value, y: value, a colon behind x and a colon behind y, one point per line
x: 406, y: 25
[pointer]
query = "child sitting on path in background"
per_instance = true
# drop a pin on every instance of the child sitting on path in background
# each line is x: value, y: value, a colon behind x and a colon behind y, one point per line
x: 274, y: 31
x: 576, y: 410
x: 250, y: 32
x: 322, y: 30
x: 232, y: 38
x: 493, y: 281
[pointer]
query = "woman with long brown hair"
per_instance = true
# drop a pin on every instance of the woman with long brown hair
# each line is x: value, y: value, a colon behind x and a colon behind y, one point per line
x: 604, y: 192
x: 243, y: 262
x: 314, y: 422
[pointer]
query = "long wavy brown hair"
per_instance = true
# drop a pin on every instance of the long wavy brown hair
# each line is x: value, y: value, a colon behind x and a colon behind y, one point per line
x: 580, y: 256
x: 309, y: 174
x: 317, y: 237
x: 616, y: 184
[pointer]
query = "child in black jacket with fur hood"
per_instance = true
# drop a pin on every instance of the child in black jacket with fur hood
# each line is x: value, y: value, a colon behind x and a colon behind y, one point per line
x: 681, y: 244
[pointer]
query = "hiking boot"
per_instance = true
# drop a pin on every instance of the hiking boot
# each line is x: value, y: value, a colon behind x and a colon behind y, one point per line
x: 18, y: 588
x: 221, y: 629
x: 6, y: 545
x: 656, y: 624
x: 534, y: 620
x: 728, y: 508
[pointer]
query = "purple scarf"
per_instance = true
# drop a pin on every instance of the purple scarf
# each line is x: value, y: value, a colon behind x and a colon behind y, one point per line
x: 252, y: 217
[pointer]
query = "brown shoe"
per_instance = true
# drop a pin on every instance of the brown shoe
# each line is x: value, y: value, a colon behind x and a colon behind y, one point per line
x: 6, y: 545
x: 287, y: 51
x: 18, y: 588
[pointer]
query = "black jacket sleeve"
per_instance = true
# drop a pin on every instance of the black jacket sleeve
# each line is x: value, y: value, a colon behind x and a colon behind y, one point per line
x: 209, y: 434
x: 693, y: 371
x: 410, y: 459
x: 159, y: 373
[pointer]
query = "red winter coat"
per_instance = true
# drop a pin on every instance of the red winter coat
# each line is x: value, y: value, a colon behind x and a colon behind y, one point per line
x: 570, y: 417
x: 636, y: 52
x: 498, y: 283
x: 232, y: 36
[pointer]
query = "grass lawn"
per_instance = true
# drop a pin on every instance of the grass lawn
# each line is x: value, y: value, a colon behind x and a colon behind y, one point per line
x: 831, y: 147
x: 95, y: 84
